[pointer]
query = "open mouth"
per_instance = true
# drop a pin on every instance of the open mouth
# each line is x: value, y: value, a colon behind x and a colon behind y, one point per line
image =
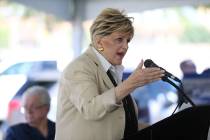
x: 121, y: 55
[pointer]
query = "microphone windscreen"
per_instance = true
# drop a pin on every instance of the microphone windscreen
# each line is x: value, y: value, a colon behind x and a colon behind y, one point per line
x: 149, y: 63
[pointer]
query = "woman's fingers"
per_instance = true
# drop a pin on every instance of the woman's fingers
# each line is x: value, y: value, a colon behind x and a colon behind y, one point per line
x: 140, y: 66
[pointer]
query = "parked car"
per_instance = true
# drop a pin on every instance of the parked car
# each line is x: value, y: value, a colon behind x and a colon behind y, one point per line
x: 27, y: 67
x: 15, y: 111
x: 154, y: 100
x: 10, y: 84
x: 14, y: 77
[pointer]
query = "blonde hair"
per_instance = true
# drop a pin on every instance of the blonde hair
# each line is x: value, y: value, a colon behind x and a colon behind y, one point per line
x: 109, y: 21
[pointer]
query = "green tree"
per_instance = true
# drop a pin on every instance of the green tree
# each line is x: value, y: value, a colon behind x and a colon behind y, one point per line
x: 195, y: 34
x: 4, y: 37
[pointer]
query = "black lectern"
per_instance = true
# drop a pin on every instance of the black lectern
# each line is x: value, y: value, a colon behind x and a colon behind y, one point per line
x: 190, y: 123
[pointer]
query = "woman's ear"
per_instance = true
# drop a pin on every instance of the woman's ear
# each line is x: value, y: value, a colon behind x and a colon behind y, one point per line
x: 98, y: 43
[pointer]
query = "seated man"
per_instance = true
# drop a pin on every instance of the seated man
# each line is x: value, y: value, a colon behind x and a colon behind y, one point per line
x: 188, y: 69
x: 36, y: 104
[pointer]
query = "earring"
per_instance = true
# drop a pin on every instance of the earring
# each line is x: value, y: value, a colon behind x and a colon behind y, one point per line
x: 101, y: 49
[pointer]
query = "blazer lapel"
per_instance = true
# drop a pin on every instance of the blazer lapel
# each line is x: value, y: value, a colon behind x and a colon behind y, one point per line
x: 90, y: 53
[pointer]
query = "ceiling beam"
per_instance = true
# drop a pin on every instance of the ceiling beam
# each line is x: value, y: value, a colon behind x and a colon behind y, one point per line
x: 63, y: 9
x: 93, y: 7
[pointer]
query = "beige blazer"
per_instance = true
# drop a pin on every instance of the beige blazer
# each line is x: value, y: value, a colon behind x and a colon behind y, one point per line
x: 86, y: 103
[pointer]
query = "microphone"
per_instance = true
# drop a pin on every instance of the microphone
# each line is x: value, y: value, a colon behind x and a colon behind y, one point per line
x: 149, y: 63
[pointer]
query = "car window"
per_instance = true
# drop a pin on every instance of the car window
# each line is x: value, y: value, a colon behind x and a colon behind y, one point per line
x: 49, y: 65
x: 19, y: 68
x: 30, y: 67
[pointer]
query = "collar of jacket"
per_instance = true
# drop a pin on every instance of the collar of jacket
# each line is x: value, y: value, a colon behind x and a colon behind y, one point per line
x: 91, y: 54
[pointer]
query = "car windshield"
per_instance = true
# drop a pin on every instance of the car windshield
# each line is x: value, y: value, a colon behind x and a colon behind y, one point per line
x: 29, y: 67
x: 20, y: 68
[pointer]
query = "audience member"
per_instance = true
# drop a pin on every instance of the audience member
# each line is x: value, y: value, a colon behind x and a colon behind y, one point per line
x: 36, y: 105
x: 188, y: 69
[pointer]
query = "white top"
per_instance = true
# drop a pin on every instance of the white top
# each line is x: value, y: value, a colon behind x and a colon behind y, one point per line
x: 117, y: 71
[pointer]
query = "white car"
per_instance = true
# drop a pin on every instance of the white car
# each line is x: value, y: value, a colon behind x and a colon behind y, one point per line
x: 15, y: 77
x: 10, y: 85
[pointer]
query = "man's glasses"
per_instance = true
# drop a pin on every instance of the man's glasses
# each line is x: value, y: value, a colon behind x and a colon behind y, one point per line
x: 32, y: 108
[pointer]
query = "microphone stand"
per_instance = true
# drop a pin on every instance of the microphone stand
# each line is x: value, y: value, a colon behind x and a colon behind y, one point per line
x: 184, y: 97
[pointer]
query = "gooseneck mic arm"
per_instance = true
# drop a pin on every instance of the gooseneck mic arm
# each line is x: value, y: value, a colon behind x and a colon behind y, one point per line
x: 185, y: 98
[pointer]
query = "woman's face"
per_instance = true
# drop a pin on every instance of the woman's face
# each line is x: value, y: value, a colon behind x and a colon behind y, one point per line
x: 115, y: 47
